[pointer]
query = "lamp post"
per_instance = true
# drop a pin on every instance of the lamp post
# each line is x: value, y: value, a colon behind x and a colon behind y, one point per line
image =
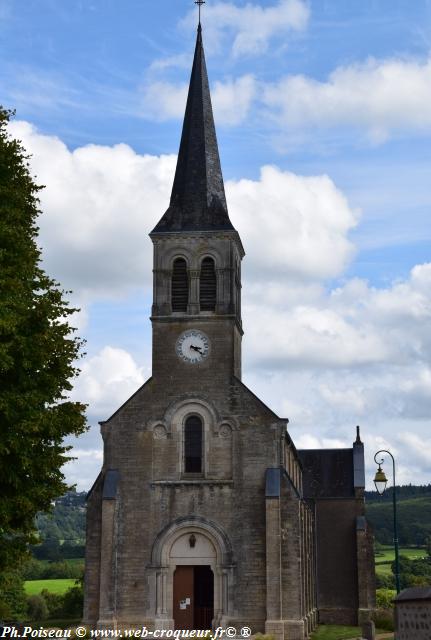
x: 381, y: 481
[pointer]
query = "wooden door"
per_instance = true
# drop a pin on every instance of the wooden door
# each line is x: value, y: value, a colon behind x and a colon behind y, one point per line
x: 204, y: 597
x: 183, y: 597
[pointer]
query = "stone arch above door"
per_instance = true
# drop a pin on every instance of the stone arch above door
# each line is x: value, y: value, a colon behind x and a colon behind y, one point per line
x: 193, y: 547
x: 191, y: 524
x: 172, y: 548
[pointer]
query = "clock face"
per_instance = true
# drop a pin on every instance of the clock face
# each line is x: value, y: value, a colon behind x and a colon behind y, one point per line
x: 193, y: 346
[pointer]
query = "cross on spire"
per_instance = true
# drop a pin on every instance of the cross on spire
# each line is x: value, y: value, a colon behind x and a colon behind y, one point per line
x: 199, y: 3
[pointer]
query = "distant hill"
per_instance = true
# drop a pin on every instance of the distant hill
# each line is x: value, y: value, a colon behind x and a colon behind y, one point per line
x: 66, y: 522
x: 413, y: 510
x: 62, y: 532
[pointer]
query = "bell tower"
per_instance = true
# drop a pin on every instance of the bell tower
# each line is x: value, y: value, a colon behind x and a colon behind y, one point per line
x: 196, y: 312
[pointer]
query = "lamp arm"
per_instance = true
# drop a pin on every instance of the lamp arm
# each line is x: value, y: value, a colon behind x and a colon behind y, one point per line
x: 382, y: 460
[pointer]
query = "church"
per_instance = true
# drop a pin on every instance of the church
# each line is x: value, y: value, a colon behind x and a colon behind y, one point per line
x: 204, y: 514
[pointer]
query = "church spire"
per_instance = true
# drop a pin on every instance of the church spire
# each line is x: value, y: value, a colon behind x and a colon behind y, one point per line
x: 198, y: 201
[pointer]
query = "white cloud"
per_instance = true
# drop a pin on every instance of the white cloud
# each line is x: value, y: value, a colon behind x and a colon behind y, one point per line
x: 305, y: 221
x: 98, y: 207
x: 162, y: 100
x: 352, y: 326
x: 180, y: 61
x: 107, y: 380
x: 411, y: 465
x: 252, y: 26
x: 308, y: 441
x: 84, y: 470
x: 419, y: 447
x: 311, y: 336
x: 381, y: 96
x: 232, y: 99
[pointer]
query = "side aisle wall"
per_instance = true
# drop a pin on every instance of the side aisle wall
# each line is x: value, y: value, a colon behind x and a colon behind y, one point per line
x: 334, y: 483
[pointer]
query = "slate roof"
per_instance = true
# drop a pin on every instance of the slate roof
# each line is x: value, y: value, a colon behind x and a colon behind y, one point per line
x: 327, y: 473
x: 414, y: 593
x: 198, y: 201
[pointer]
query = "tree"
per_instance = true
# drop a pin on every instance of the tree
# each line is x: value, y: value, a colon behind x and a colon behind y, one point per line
x: 12, y: 596
x: 48, y: 550
x: 73, y: 600
x: 38, y: 352
x: 37, y: 608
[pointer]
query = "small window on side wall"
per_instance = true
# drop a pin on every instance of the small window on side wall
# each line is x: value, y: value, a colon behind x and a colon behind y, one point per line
x: 208, y: 285
x: 193, y: 437
x: 180, y: 286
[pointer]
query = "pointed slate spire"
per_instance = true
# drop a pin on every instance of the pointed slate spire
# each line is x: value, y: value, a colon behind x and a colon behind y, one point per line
x: 198, y: 201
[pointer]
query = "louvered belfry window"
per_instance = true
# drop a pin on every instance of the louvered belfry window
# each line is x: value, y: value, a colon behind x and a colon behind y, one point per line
x: 193, y: 445
x: 180, y: 286
x: 208, y: 285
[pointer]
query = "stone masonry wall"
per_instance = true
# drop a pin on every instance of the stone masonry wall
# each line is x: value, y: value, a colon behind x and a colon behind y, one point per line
x: 232, y: 494
x: 413, y: 620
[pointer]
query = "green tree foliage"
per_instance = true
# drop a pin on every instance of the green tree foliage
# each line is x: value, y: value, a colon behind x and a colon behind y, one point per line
x: 12, y: 595
x: 404, y: 492
x: 54, y: 603
x: 414, y: 517
x: 48, y: 550
x: 54, y: 606
x: 66, y: 523
x: 414, y: 573
x: 37, y: 608
x: 73, y: 601
x: 38, y: 352
x: 385, y: 581
x: 43, y: 570
x: 385, y: 598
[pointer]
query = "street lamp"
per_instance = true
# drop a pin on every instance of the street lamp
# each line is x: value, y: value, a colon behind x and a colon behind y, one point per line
x: 381, y: 481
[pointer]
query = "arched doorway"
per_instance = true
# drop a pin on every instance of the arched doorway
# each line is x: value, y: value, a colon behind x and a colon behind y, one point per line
x: 193, y: 557
x: 194, y: 572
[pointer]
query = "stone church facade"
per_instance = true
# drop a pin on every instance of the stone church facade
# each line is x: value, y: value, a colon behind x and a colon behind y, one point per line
x: 204, y: 513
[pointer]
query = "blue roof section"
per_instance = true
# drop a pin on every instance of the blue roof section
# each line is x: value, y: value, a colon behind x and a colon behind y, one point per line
x: 110, y: 486
x: 358, y: 465
x: 273, y: 483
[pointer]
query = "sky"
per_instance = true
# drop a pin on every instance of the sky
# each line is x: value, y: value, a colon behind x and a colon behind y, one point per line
x: 322, y: 110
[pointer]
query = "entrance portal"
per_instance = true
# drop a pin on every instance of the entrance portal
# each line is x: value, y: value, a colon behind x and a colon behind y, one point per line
x: 193, y: 575
x: 193, y: 597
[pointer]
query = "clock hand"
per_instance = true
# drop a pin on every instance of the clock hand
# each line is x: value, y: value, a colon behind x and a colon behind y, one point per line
x: 198, y: 349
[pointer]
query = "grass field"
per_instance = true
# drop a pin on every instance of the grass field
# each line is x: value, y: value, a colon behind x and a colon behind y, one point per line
x: 335, y: 632
x: 33, y: 587
x: 383, y: 560
x: 388, y: 554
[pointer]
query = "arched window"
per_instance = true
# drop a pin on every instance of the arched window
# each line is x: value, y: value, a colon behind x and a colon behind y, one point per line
x: 208, y: 285
x: 180, y: 286
x: 193, y: 445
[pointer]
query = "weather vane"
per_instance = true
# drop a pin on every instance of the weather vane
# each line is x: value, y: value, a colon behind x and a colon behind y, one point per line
x: 199, y: 3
